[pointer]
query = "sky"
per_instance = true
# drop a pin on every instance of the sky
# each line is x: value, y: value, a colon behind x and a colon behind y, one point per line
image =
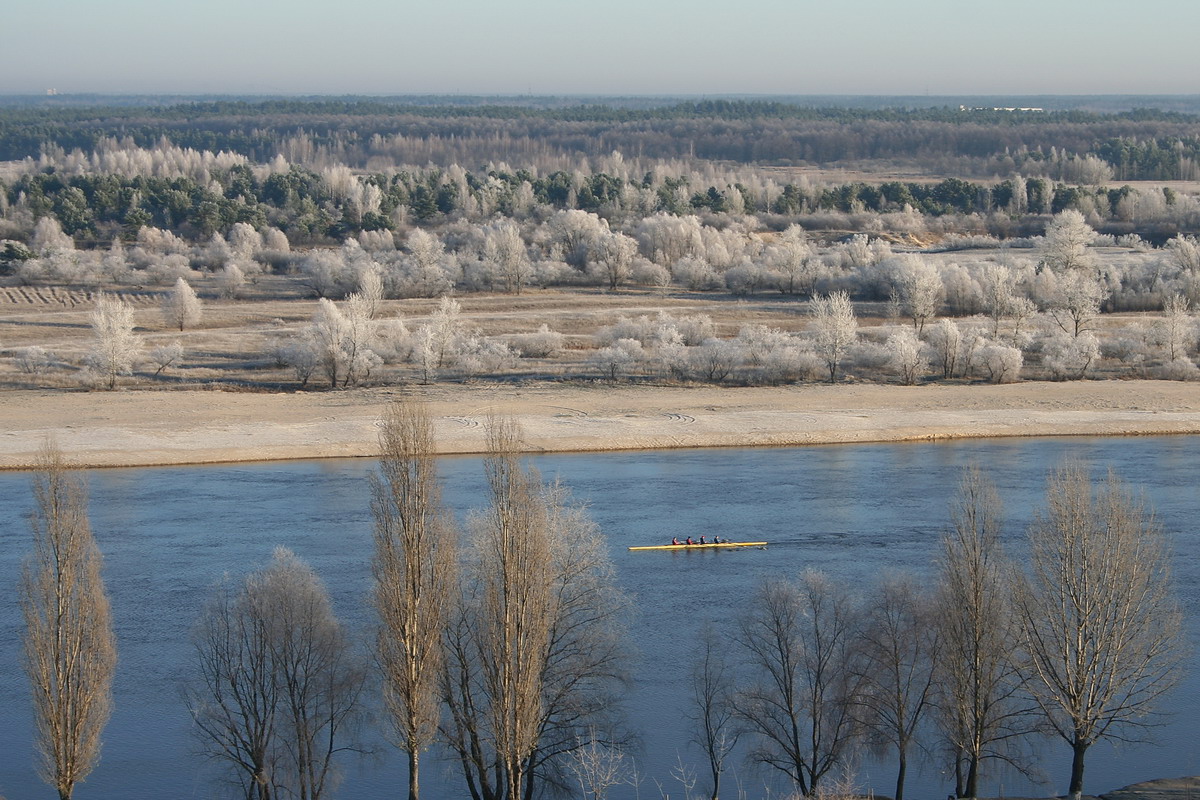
x: 610, y: 47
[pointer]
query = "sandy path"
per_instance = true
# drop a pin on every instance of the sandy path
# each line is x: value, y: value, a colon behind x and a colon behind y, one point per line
x: 147, y: 428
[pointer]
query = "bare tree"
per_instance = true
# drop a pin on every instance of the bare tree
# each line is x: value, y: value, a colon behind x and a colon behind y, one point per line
x: 798, y: 643
x: 982, y: 714
x: 713, y: 719
x: 836, y: 329
x: 277, y: 684
x: 535, y: 652
x: 114, y: 345
x: 414, y: 567
x: 898, y: 646
x: 70, y: 650
x: 1100, y: 621
x: 180, y: 306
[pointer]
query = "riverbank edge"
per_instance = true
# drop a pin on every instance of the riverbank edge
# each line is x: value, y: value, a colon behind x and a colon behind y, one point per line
x: 176, y: 428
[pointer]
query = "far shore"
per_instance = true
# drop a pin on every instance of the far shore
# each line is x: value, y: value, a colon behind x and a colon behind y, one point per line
x: 152, y: 428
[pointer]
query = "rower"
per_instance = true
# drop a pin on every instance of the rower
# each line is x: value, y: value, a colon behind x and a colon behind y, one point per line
x: 702, y: 540
x: 689, y: 540
x: 674, y: 540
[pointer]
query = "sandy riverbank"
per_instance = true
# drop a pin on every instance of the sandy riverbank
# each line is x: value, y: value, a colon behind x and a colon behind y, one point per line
x: 161, y: 427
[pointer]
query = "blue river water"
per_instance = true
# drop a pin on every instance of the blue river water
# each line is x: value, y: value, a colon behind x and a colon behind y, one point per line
x: 855, y: 512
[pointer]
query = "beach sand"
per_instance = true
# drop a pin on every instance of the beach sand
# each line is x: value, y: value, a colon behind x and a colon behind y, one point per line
x: 143, y: 428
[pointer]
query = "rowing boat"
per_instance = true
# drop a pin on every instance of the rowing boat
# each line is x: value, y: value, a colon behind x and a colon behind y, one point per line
x: 699, y: 546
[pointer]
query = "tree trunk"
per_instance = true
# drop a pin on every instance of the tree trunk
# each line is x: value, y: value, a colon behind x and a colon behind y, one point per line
x: 972, y: 787
x: 900, y: 776
x: 414, y: 785
x: 1079, y: 749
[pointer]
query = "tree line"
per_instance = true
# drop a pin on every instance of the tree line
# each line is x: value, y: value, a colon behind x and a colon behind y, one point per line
x: 503, y: 648
x: 115, y: 194
x: 354, y: 131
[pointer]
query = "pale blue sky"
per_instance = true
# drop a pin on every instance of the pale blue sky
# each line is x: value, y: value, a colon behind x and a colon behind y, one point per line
x: 616, y: 47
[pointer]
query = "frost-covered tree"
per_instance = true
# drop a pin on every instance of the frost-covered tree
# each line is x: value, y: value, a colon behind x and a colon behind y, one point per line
x: 115, y: 347
x: 1070, y: 357
x: 1074, y: 300
x: 1065, y: 246
x: 794, y: 262
x: 370, y: 289
x: 231, y: 280
x: 612, y: 258
x: 1000, y: 362
x: 181, y: 307
x: 504, y: 247
x: 48, y: 236
x: 617, y: 359
x: 920, y: 290
x: 1176, y: 332
x: 244, y: 241
x: 946, y: 343
x: 341, y: 341
x: 906, y: 357
x: 574, y: 233
x: 165, y: 355
x: 425, y: 266
x: 835, y: 329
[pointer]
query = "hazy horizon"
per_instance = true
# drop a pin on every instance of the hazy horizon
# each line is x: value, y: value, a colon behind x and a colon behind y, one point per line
x: 627, y: 48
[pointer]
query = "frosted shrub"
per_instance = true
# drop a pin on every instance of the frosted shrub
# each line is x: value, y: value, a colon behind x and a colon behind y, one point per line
x: 759, y: 341
x: 746, y: 278
x: 869, y: 356
x: 33, y: 360
x: 169, y: 270
x: 617, y: 359
x: 647, y: 273
x: 31, y: 271
x: 905, y: 355
x: 479, y: 354
x: 1181, y: 369
x: 328, y: 274
x: 715, y: 359
x: 1070, y: 357
x: 1000, y: 363
x: 644, y: 330
x: 230, y: 281
x: 695, y: 274
x: 550, y: 273
x: 393, y: 341
x: 693, y: 329
x: 165, y: 355
x: 544, y: 343
x: 301, y: 357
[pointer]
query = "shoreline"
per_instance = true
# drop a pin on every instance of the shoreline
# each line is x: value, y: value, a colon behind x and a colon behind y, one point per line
x: 173, y: 428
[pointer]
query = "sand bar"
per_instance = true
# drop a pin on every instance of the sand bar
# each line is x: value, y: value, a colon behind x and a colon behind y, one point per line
x: 143, y: 428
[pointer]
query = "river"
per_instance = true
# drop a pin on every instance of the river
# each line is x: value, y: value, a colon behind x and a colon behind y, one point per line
x: 852, y: 511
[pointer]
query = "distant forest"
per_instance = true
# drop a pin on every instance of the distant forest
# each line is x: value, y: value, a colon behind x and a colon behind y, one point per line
x: 322, y: 170
x: 970, y: 143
